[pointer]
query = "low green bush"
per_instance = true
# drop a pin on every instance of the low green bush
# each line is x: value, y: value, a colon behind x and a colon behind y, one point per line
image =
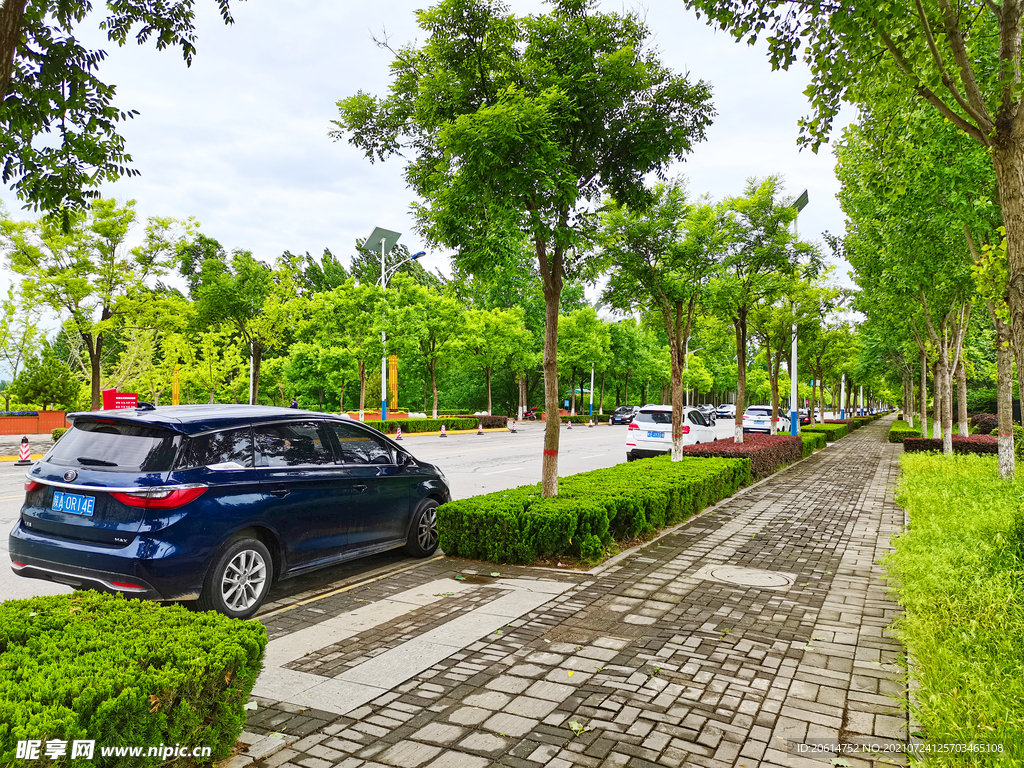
x: 812, y: 441
x: 412, y: 426
x: 58, y: 433
x: 832, y: 432
x: 956, y: 570
x: 91, y: 666
x: 902, y: 429
x: 591, y: 510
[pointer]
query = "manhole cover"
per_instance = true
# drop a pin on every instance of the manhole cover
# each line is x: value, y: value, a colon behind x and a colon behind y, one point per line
x: 746, y: 577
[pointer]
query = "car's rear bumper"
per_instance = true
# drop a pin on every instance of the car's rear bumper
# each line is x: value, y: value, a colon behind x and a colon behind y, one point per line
x: 84, y: 565
x: 642, y: 453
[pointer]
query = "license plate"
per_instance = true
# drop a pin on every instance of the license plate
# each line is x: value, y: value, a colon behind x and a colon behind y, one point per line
x: 655, y: 434
x: 74, y: 503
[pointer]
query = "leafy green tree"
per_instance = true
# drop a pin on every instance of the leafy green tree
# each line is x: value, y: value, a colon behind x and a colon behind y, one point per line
x: 515, y: 124
x: 242, y: 291
x: 490, y: 338
x: 963, y: 61
x: 662, y: 258
x: 46, y: 381
x: 58, y: 123
x: 84, y: 273
x: 20, y: 337
x: 583, y: 340
x: 312, y: 276
x: 761, y: 260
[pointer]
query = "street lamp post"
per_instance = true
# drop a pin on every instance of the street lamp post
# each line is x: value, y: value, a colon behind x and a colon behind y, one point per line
x: 592, y: 393
x: 385, y: 239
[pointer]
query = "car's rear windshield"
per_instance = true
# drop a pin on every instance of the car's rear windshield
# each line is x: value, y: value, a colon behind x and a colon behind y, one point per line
x: 657, y: 417
x: 759, y: 411
x: 115, y: 447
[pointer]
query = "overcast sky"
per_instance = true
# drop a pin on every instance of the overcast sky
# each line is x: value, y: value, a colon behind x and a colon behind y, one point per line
x: 239, y: 140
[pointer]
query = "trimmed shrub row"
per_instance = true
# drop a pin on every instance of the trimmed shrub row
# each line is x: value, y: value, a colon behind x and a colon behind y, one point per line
x: 591, y: 510
x: 91, y: 666
x: 831, y: 430
x: 411, y: 426
x: 19, y: 413
x: 767, y: 453
x: 981, y: 444
x: 812, y: 442
x: 984, y: 423
x: 902, y: 429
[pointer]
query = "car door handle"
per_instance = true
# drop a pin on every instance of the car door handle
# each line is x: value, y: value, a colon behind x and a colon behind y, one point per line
x: 360, y: 488
x: 280, y: 493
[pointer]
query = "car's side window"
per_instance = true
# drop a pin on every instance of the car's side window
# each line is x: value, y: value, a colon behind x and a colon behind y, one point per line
x: 697, y: 418
x: 360, y: 447
x: 291, y: 444
x: 230, y: 446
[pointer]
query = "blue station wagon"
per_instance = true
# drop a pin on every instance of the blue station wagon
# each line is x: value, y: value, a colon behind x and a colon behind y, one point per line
x: 215, y: 502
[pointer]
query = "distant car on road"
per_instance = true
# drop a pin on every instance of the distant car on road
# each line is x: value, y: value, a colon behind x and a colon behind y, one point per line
x: 709, y: 412
x: 805, y: 416
x: 624, y: 414
x: 726, y: 411
x: 650, y: 432
x: 215, y: 502
x: 758, y: 418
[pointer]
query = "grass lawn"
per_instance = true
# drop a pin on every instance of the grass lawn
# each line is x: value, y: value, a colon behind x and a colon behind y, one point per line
x: 958, y: 572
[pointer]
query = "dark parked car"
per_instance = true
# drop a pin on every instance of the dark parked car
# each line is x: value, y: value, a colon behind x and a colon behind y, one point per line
x: 624, y: 414
x: 214, y: 503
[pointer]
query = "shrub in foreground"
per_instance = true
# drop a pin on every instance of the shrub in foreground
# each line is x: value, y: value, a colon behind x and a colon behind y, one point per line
x: 767, y: 453
x: 957, y: 573
x: 590, y: 511
x: 58, y: 433
x: 90, y: 666
x: 963, y: 444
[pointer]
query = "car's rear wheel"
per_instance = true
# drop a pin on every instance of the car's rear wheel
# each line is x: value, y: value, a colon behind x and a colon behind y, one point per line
x: 239, y: 579
x: 422, y: 541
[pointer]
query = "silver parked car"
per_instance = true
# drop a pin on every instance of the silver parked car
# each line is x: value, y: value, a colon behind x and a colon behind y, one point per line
x: 650, y: 432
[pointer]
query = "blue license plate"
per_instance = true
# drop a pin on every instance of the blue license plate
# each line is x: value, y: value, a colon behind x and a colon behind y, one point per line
x: 74, y: 503
x: 655, y: 434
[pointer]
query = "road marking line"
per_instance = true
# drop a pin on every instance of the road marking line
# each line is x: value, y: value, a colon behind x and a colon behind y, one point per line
x: 594, y: 456
x: 498, y: 472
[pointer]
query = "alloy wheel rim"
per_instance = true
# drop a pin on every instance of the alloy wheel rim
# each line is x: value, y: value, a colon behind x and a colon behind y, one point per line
x: 427, y: 534
x: 244, y: 580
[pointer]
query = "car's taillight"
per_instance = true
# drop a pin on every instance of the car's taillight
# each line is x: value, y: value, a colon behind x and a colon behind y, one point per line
x: 160, y: 498
x: 31, y: 485
x: 686, y: 429
x: 634, y: 425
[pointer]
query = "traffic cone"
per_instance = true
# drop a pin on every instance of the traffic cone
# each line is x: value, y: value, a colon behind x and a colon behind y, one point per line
x: 399, y: 436
x: 590, y: 423
x: 570, y: 423
x: 512, y: 429
x: 23, y: 454
x: 443, y: 433
x: 479, y: 427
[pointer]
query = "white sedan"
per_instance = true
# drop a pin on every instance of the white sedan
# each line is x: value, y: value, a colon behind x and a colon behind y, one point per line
x: 650, y: 432
x: 758, y: 418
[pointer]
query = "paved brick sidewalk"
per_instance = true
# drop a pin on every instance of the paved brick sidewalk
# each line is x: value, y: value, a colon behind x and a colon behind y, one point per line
x: 756, y: 626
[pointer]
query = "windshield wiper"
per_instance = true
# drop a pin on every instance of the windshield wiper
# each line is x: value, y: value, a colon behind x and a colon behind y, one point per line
x: 94, y: 462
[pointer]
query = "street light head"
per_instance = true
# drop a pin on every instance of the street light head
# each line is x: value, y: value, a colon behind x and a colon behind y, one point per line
x: 417, y: 255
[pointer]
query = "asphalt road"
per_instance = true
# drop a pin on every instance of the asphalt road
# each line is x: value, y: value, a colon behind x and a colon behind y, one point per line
x: 473, y: 464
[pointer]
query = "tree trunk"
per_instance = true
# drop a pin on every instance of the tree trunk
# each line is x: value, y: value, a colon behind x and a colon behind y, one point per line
x: 433, y: 389
x: 12, y: 13
x: 626, y: 391
x: 678, y: 361
x: 1004, y: 398
x: 257, y: 361
x: 487, y: 373
x: 572, y: 395
x: 600, y: 407
x: 961, y: 396
x: 1008, y: 161
x: 551, y: 272
x: 95, y: 349
x: 362, y: 390
x: 740, y: 324
x: 936, y: 402
x: 774, y: 382
x: 924, y: 393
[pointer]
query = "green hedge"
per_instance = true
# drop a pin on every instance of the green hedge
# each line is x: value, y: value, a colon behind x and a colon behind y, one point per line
x: 91, y: 666
x: 832, y: 432
x: 902, y: 429
x: 411, y: 426
x: 58, y: 433
x: 591, y: 510
x: 812, y: 441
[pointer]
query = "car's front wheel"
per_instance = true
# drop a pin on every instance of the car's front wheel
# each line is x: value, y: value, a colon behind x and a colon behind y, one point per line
x: 422, y: 541
x: 239, y: 579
